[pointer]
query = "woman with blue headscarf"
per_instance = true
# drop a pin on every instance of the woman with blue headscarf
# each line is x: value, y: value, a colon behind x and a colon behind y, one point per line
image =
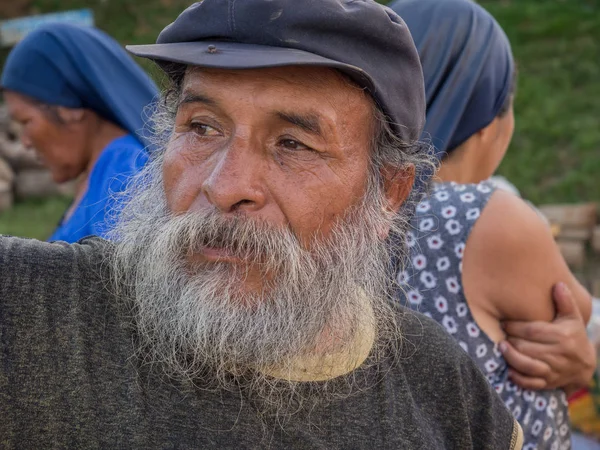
x: 81, y: 101
x: 482, y: 262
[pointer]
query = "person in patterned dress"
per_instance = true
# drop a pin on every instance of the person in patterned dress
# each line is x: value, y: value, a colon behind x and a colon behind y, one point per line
x: 480, y: 256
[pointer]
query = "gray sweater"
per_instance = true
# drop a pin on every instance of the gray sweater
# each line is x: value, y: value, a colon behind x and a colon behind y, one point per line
x: 68, y: 378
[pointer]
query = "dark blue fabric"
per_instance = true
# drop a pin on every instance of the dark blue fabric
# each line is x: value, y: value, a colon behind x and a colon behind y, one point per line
x: 81, y: 67
x: 121, y: 159
x: 467, y: 65
x: 363, y: 39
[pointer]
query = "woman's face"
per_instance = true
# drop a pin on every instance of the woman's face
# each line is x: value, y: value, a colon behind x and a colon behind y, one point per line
x: 60, y: 146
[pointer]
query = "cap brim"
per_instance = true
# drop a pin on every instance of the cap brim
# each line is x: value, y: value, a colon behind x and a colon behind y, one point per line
x: 235, y: 56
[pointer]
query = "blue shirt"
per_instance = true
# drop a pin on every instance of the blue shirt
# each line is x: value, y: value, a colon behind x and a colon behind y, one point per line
x: 121, y: 159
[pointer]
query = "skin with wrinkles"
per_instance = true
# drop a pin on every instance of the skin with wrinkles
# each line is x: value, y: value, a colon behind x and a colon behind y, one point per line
x: 254, y: 245
x: 68, y: 140
x: 280, y: 170
x: 237, y: 149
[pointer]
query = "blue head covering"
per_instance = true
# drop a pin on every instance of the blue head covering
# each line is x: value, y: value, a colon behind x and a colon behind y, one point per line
x: 76, y: 67
x: 467, y: 65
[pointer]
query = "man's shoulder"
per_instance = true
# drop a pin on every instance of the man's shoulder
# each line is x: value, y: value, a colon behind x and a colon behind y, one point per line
x: 428, y: 354
x: 425, y: 344
x: 444, y: 382
x: 25, y: 247
x: 423, y: 337
x: 24, y: 260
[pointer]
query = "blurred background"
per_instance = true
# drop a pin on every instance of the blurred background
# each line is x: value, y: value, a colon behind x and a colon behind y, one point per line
x: 554, y: 156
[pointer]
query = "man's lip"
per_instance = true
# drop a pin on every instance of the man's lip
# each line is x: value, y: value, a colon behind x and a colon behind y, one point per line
x: 214, y: 254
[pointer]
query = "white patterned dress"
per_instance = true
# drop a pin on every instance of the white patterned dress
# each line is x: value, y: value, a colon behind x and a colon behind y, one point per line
x: 432, y: 284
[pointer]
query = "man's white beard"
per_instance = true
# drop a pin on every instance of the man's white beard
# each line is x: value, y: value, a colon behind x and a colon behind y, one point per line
x: 200, y: 323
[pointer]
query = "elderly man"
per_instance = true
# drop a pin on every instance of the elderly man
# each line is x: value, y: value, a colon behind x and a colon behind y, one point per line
x: 246, y: 302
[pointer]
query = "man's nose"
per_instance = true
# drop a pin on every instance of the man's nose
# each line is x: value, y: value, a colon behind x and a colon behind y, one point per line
x: 236, y: 182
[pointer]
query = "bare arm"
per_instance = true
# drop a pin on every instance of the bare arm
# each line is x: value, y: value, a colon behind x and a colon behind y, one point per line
x: 548, y: 355
x: 510, y: 266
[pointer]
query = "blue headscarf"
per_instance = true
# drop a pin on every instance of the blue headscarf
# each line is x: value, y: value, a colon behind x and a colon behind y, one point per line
x: 467, y: 65
x: 80, y: 67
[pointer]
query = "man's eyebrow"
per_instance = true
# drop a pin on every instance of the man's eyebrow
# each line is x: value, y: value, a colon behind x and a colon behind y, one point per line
x: 193, y: 97
x: 308, y: 122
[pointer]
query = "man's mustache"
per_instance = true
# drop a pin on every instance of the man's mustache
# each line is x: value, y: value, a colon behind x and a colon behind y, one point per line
x: 241, y: 236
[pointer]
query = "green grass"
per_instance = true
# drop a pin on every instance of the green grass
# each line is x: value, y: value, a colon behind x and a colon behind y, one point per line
x: 34, y: 218
x: 555, y: 154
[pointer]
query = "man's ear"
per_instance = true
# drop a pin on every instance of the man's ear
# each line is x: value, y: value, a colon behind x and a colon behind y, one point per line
x: 70, y: 115
x: 397, y: 186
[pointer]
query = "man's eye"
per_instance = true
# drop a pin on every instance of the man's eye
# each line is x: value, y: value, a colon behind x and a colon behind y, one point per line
x: 203, y: 130
x: 291, y: 144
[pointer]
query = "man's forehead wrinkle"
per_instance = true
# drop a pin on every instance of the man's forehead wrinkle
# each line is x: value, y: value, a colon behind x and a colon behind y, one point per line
x: 190, y: 96
x: 308, y: 121
x: 351, y: 120
x: 196, y: 79
x: 192, y: 89
x: 295, y: 93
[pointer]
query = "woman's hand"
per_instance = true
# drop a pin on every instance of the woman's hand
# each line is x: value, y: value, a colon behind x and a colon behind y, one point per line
x: 544, y: 355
